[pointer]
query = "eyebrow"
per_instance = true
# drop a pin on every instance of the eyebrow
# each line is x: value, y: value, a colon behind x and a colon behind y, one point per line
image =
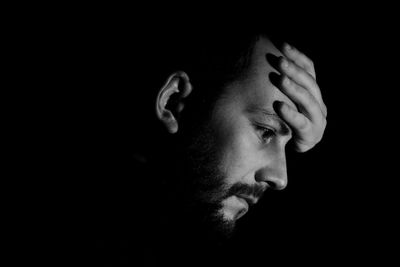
x: 284, y: 129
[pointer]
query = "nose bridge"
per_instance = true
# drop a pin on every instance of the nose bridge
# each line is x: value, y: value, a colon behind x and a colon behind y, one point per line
x: 273, y: 170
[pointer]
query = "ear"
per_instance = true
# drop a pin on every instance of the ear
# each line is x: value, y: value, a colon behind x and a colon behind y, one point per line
x: 171, y: 100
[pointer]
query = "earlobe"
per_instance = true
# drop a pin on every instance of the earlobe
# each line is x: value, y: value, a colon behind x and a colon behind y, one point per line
x: 170, y: 100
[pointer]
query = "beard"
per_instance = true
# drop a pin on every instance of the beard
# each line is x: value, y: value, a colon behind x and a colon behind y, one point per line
x: 204, y: 185
x: 201, y: 185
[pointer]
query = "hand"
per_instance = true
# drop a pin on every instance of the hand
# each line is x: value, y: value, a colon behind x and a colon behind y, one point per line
x: 299, y: 84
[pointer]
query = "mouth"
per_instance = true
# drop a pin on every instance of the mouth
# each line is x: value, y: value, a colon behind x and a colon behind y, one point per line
x: 243, y: 211
x: 249, y: 200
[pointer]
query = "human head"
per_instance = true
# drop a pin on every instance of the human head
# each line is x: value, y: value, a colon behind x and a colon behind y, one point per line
x: 237, y: 150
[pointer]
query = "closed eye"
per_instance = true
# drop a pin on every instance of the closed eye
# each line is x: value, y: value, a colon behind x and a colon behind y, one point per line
x: 266, y: 134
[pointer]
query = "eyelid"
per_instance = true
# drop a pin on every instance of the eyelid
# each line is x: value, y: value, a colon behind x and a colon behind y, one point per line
x: 270, y: 120
x: 265, y: 126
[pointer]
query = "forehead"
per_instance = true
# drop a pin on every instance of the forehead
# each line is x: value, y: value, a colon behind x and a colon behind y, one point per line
x: 256, y: 88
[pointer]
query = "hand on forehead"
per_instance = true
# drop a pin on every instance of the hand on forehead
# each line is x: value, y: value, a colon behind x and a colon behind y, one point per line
x: 265, y: 61
x: 300, y: 102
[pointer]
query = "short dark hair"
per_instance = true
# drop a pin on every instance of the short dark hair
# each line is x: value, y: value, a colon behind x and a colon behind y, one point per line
x: 211, y: 58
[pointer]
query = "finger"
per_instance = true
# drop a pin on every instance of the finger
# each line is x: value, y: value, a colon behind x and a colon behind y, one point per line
x: 296, y: 120
x: 305, y: 101
x: 300, y: 59
x: 302, y: 78
x: 301, y: 126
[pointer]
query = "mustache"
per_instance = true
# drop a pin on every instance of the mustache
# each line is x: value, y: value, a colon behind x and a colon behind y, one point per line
x: 254, y: 190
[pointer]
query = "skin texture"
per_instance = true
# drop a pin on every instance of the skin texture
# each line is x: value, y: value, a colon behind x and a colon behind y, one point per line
x: 250, y: 136
x: 250, y: 126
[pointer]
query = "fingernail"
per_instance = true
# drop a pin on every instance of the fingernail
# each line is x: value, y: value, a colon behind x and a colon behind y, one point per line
x: 285, y: 64
x: 288, y: 47
x: 286, y: 81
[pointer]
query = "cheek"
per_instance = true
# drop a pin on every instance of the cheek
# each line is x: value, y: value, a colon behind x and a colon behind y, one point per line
x: 238, y: 152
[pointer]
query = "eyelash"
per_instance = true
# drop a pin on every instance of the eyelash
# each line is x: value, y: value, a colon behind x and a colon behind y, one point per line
x: 264, y: 130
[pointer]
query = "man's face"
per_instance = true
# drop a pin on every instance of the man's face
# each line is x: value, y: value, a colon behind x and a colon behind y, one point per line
x: 248, y: 141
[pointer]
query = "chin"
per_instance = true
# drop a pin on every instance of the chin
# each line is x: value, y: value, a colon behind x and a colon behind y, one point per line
x: 224, y: 224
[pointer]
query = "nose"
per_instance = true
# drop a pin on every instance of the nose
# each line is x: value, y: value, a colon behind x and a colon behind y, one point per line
x: 273, y: 172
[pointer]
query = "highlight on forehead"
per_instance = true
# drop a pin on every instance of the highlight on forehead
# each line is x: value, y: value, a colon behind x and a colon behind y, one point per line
x: 256, y: 59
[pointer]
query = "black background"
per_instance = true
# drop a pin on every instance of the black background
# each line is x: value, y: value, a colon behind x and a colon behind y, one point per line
x: 94, y: 66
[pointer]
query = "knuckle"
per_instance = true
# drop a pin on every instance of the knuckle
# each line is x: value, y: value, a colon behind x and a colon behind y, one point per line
x: 309, y: 66
x: 304, y: 96
x: 308, y: 61
x: 300, y: 90
x: 318, y: 138
x: 292, y: 88
x: 309, y: 138
x: 314, y: 108
x: 305, y: 77
x: 325, y: 110
x: 292, y: 69
x: 311, y: 63
x: 324, y: 124
x: 286, y: 83
x: 303, y: 146
x: 303, y: 124
x: 311, y: 81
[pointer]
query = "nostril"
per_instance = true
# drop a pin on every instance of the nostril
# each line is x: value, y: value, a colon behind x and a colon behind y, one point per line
x: 277, y: 184
x: 275, y: 177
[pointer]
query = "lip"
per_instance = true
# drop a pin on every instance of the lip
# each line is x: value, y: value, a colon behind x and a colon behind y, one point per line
x: 244, y: 211
x: 244, y: 202
x: 250, y: 201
